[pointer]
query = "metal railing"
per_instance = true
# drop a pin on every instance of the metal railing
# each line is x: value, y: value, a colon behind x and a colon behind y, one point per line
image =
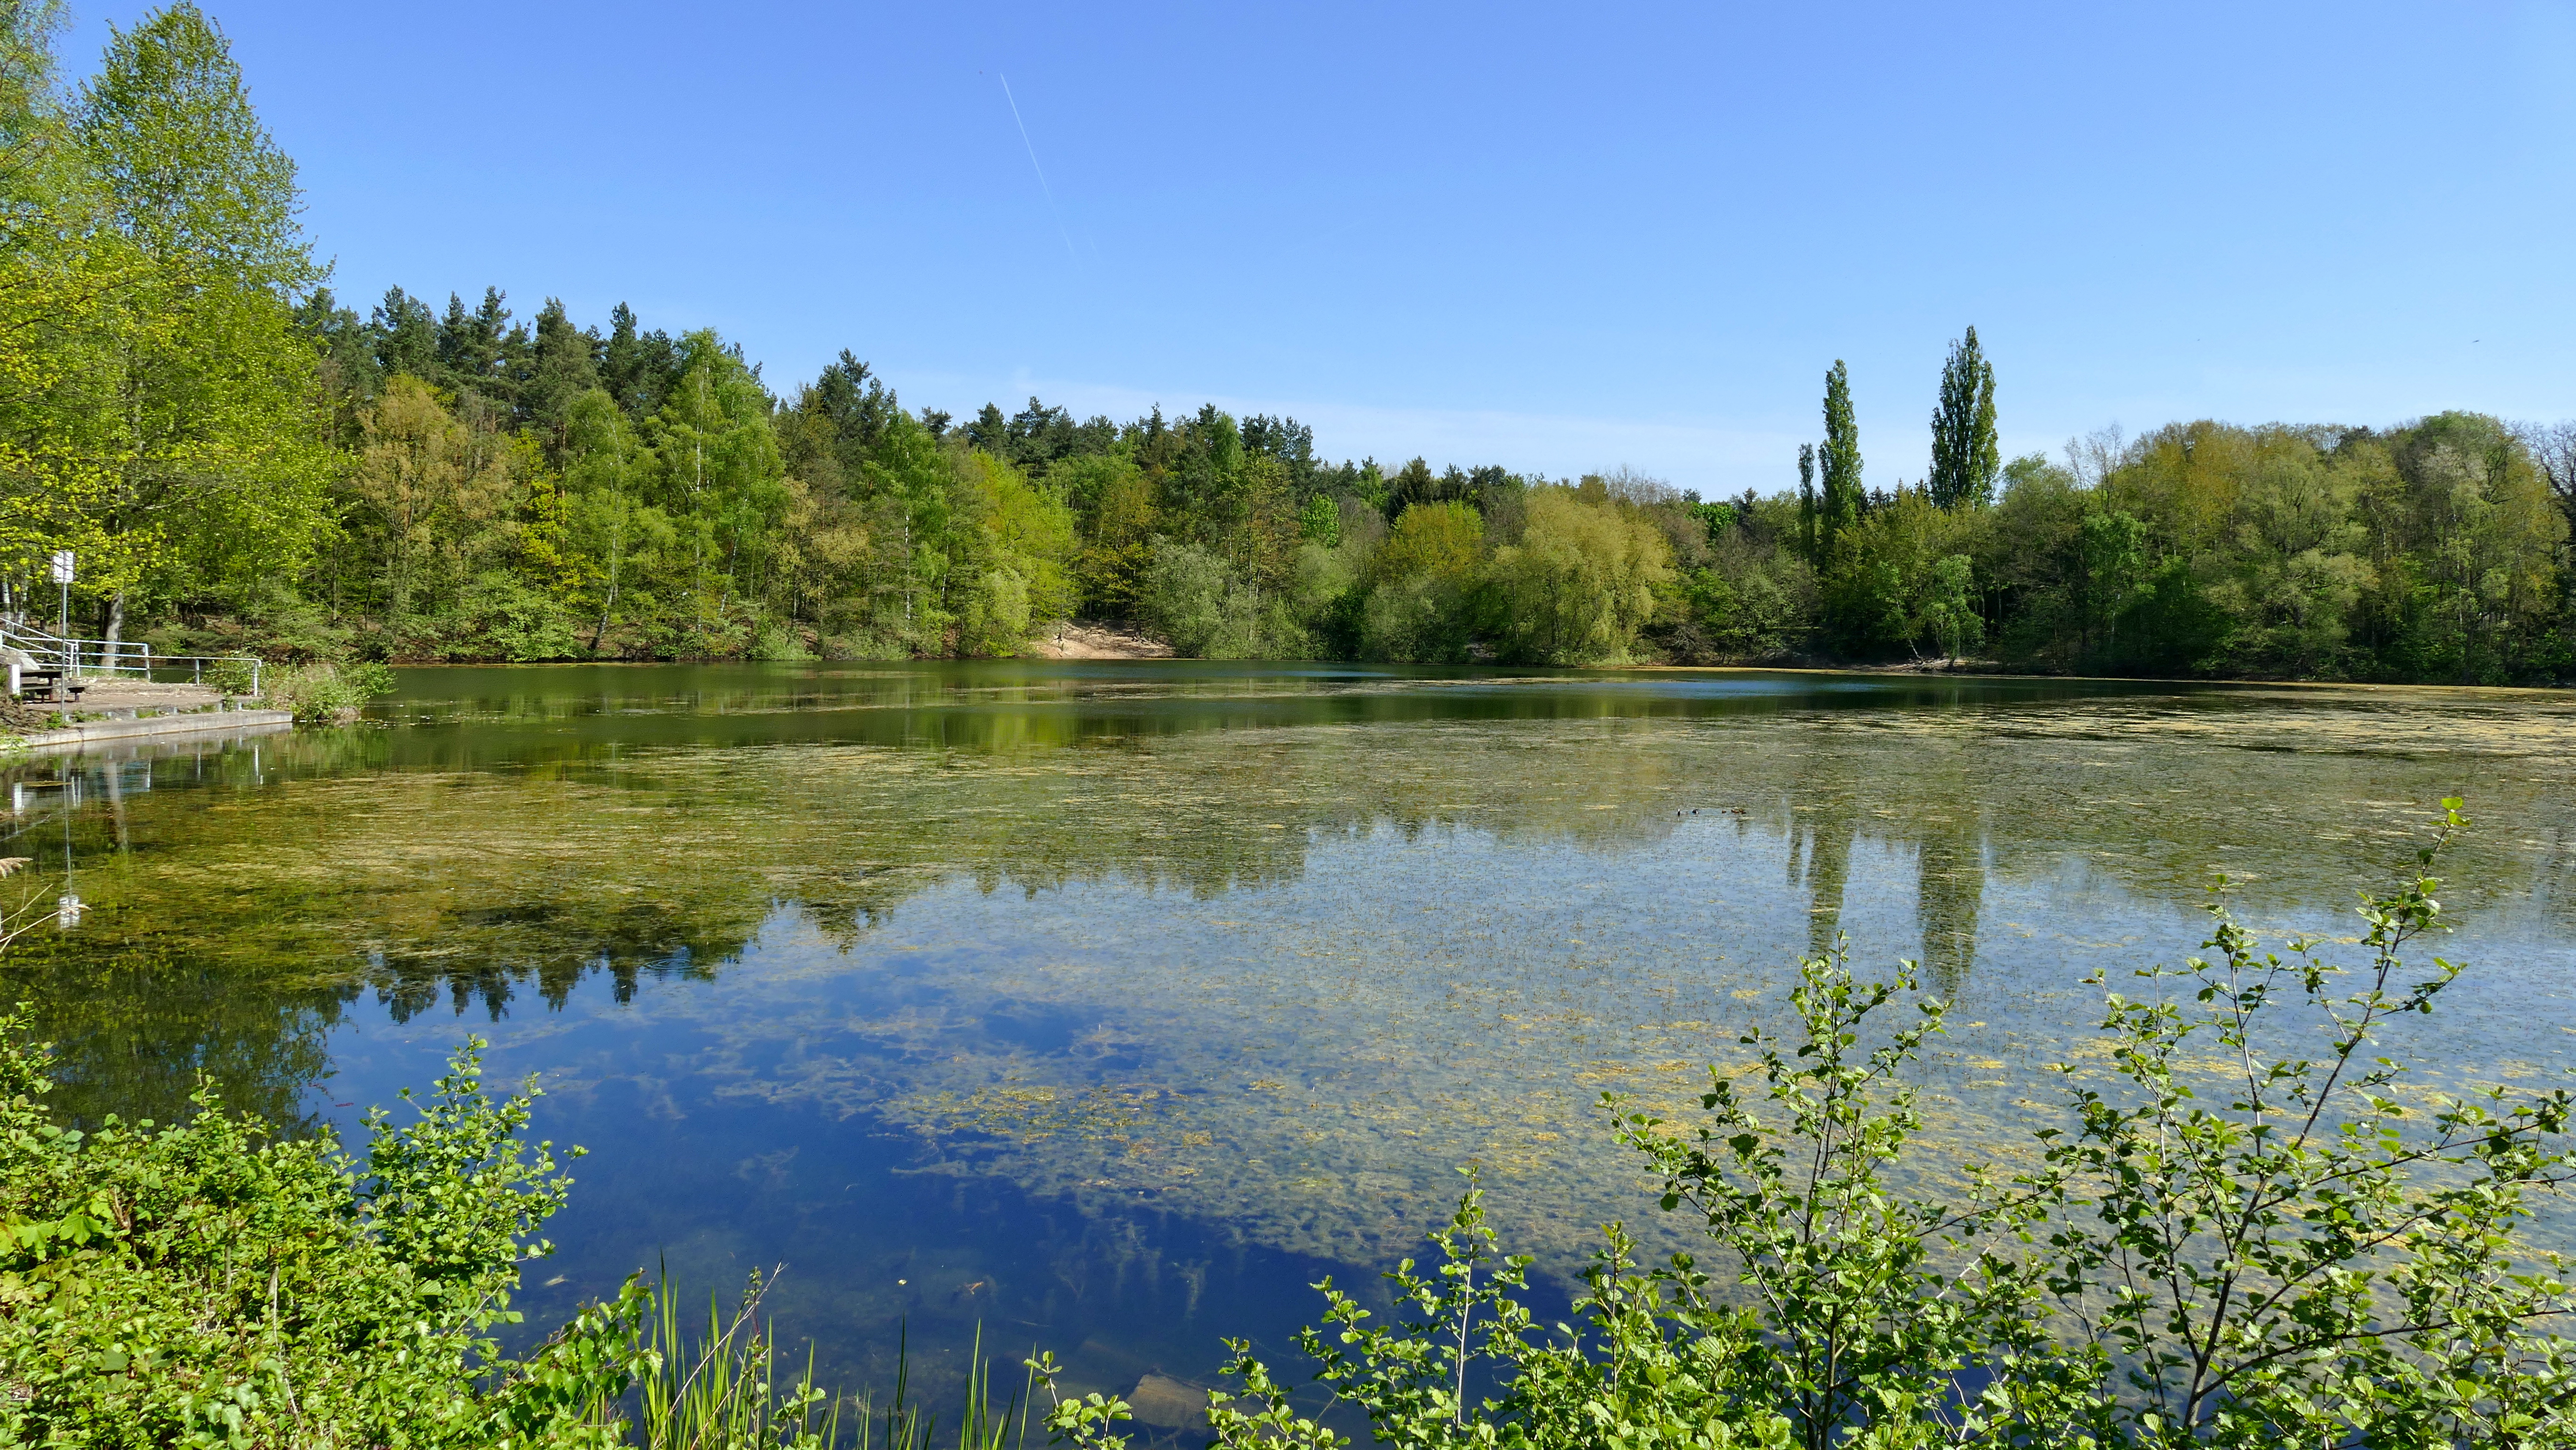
x: 81, y: 659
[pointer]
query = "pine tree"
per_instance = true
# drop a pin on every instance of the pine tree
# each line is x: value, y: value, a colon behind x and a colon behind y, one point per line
x: 1965, y: 456
x: 405, y: 336
x: 1838, y: 460
x: 856, y: 406
x: 639, y: 369
x: 990, y: 430
x: 483, y: 351
x: 563, y: 364
x: 1410, y: 485
x: 349, y: 376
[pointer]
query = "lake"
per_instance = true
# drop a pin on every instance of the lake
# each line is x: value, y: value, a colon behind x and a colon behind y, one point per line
x: 1106, y: 1005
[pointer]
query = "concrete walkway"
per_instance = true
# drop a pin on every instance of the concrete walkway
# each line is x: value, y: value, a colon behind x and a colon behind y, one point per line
x: 138, y: 710
x: 85, y: 733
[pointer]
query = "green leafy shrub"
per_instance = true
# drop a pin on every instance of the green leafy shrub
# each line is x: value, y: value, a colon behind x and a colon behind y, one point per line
x: 778, y: 641
x: 1196, y: 601
x: 212, y: 1284
x: 500, y: 615
x: 233, y: 677
x: 2261, y: 1235
x: 328, y: 694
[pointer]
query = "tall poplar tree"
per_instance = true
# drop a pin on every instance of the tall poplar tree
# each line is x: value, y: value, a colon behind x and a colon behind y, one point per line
x: 1807, y: 501
x: 1838, y: 460
x: 1965, y: 456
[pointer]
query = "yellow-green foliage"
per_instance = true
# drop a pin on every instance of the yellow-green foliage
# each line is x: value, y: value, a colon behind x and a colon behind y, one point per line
x: 1115, y: 504
x: 324, y: 693
x: 1419, y: 583
x: 155, y: 394
x: 429, y: 493
x: 1018, y: 561
x: 1581, y: 582
x: 1444, y: 541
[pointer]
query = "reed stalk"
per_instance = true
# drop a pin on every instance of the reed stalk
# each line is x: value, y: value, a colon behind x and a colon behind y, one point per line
x: 721, y: 1390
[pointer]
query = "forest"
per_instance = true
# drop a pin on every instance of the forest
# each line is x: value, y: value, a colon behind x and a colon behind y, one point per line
x: 243, y: 460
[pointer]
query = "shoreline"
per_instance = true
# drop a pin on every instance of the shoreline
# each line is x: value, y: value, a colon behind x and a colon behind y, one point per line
x: 1160, y: 653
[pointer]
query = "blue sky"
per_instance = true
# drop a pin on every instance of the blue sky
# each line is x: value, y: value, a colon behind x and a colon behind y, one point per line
x: 1559, y: 239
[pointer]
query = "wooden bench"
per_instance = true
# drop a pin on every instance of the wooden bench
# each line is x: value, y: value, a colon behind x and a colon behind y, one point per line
x: 25, y: 680
x: 58, y: 689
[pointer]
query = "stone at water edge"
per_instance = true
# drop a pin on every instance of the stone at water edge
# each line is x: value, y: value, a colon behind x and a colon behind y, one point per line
x: 1168, y: 1404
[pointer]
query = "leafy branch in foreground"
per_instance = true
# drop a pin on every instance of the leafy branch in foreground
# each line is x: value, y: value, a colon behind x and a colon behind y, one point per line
x: 2257, y: 1233
x: 1874, y: 1308
x: 2292, y: 1244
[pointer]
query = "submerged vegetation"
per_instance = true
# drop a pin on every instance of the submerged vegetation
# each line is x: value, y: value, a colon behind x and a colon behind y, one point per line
x: 1174, y: 876
x: 2261, y: 1231
x: 242, y: 460
x: 2266, y: 1235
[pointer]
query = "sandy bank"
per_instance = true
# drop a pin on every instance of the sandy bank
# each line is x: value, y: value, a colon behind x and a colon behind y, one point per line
x: 1097, y: 642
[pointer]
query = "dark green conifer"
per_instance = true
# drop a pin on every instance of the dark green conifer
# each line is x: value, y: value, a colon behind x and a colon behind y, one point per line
x: 990, y: 430
x: 1412, y: 484
x: 563, y: 366
x: 639, y: 369
x: 858, y: 408
x: 405, y: 335
x: 480, y: 349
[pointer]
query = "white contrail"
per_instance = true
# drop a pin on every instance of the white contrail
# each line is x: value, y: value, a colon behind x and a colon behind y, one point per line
x: 1043, y: 189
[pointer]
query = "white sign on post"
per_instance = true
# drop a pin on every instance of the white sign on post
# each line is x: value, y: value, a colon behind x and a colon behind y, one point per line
x: 62, y: 566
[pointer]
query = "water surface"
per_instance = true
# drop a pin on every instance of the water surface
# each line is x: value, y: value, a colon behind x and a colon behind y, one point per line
x: 1106, y: 1005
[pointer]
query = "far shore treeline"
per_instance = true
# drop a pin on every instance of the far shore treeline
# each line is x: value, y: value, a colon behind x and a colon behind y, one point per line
x: 241, y: 458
